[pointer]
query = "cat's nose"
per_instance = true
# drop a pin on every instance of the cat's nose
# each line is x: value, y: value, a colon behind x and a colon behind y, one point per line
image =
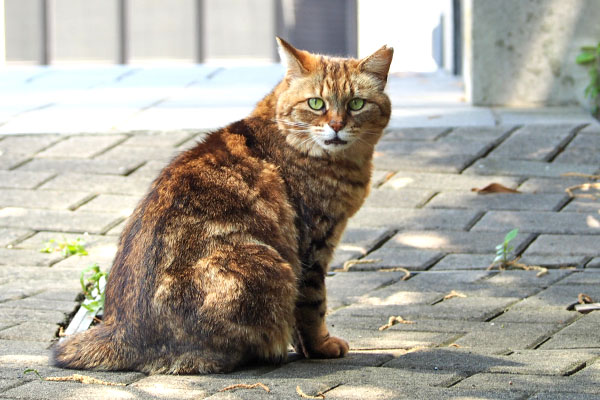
x: 336, y: 125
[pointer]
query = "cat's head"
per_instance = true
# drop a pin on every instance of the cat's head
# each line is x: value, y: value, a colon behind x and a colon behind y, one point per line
x: 334, y: 106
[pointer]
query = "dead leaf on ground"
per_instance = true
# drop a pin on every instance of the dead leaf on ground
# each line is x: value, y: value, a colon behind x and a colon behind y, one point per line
x: 246, y: 386
x: 393, y: 320
x: 583, y: 298
x: 494, y: 188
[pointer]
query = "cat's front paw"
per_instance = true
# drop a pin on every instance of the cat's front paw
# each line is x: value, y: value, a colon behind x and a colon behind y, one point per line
x: 331, y: 347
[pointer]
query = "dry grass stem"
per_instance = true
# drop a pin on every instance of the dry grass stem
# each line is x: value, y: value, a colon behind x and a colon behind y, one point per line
x: 350, y: 263
x: 245, y: 386
x: 516, y: 264
x: 393, y: 320
x: 581, y: 175
x: 308, y: 396
x: 454, y: 293
x: 88, y: 380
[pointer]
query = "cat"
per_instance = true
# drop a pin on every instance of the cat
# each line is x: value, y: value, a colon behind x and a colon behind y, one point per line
x: 223, y: 262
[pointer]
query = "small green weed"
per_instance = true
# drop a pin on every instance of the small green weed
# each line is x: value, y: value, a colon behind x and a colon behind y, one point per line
x: 93, y: 282
x: 590, y: 57
x: 504, y: 250
x: 66, y: 247
x: 33, y: 371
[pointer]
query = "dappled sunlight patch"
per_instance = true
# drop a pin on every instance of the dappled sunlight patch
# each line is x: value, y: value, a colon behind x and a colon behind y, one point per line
x: 27, y: 359
x: 592, y: 221
x: 13, y: 212
x: 422, y: 240
x: 401, y: 182
x: 361, y: 392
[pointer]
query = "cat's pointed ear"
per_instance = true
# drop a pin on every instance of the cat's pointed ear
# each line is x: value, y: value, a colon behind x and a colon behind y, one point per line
x: 298, y: 62
x: 378, y: 63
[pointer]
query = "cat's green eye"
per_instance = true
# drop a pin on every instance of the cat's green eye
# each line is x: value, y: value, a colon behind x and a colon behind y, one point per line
x: 316, y: 103
x: 356, y: 104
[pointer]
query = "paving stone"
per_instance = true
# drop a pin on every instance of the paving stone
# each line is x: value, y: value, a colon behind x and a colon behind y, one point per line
x: 9, y: 162
x: 581, y: 277
x: 539, y: 222
x: 507, y: 335
x: 37, y: 304
x: 133, y: 153
x: 564, y: 245
x: 591, y: 206
x: 344, y: 288
x: 446, y: 182
x: 454, y: 241
x: 26, y: 145
x: 171, y: 138
x: 81, y: 146
x: 499, y: 201
x: 440, y: 148
x: 555, y: 261
x: 427, y: 134
x: 567, y: 395
x: 583, y: 155
x: 57, y: 220
x: 407, y: 218
x: 463, y: 361
x: 538, y: 314
x: 390, y: 295
x: 534, y: 142
x: 525, y: 168
x: 123, y: 205
x: 389, y: 258
x: 441, y: 163
x: 150, y: 169
x: 376, y: 390
x: 528, y: 278
x: 31, y: 331
x: 460, y: 309
x: 523, y: 383
x: 401, y: 198
x: 363, y: 239
x: 594, y: 263
x: 541, y: 362
x: 11, y: 350
x: 55, y: 200
x: 87, y: 166
x: 340, y: 255
x: 494, y: 133
x: 581, y: 334
x: 107, y: 184
x: 559, y: 296
x: 17, y: 316
x: 463, y: 262
x: 9, y: 236
x: 550, y: 185
x: 23, y: 179
x: 379, y: 177
x: 28, y: 257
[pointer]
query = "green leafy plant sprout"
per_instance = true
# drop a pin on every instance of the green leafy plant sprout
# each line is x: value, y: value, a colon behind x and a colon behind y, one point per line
x: 504, y: 250
x: 590, y: 57
x: 93, y: 283
x: 66, y: 247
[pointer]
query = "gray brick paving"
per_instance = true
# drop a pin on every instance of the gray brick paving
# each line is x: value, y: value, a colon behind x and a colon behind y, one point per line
x: 510, y: 337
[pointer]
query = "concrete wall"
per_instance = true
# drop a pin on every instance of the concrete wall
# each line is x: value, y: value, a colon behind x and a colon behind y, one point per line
x: 522, y: 52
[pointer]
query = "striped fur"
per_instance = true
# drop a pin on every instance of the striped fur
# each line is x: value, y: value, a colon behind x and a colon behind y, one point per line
x: 224, y: 260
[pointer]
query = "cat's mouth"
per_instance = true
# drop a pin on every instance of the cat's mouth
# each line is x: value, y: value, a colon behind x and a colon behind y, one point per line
x: 335, y: 141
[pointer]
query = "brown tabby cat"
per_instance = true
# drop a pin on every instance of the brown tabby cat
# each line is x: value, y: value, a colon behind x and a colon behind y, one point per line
x: 224, y: 260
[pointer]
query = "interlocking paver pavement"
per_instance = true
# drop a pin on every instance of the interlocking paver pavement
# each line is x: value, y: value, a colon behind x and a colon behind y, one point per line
x: 81, y: 164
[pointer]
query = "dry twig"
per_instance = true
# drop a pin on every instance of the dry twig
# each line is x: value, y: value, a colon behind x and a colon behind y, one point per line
x: 350, y: 263
x: 245, y: 386
x: 82, y: 379
x: 454, y: 293
x: 319, y: 395
x: 516, y: 264
x: 393, y: 320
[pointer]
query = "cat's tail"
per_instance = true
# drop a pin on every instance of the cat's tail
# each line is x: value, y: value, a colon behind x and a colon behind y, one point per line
x: 99, y: 348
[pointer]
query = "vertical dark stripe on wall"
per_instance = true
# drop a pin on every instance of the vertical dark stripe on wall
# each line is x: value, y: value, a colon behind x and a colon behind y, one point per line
x: 352, y: 28
x: 46, y: 22
x: 199, y: 31
x: 123, y: 36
